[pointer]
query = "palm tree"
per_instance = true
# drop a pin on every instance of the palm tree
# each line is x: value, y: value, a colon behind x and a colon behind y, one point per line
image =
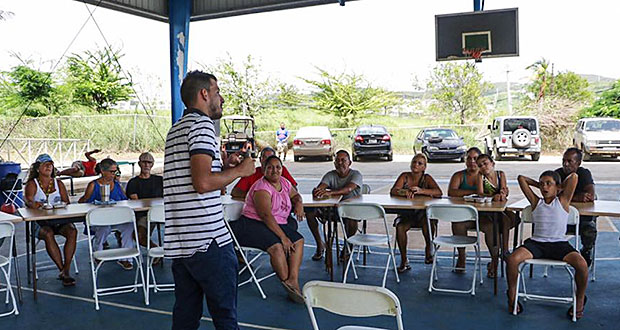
x: 540, y: 69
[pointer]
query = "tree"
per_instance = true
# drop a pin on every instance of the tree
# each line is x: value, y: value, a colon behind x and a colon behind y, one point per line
x: 349, y: 97
x: 565, y: 85
x: 96, y: 79
x: 288, y: 96
x: 36, y: 90
x: 457, y: 89
x: 607, y: 105
x: 244, y: 88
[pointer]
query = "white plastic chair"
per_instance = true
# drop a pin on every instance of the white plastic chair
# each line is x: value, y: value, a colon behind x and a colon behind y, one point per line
x: 110, y: 216
x: 351, y: 300
x: 232, y: 212
x: 366, y: 212
x: 454, y: 213
x: 155, y: 216
x: 573, y: 219
x: 7, y: 230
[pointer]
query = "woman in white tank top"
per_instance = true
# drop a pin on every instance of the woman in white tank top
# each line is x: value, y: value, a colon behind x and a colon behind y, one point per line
x: 43, y: 188
x: 550, y: 217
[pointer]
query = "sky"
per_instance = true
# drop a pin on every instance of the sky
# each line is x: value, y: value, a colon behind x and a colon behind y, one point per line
x: 390, y: 42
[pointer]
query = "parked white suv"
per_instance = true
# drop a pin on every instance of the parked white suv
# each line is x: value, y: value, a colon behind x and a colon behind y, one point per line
x: 597, y: 136
x: 515, y: 135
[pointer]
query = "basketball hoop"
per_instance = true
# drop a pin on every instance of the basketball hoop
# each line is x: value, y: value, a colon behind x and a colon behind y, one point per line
x: 475, y: 53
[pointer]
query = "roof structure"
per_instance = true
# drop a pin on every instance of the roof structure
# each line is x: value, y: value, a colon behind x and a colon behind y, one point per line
x: 204, y: 9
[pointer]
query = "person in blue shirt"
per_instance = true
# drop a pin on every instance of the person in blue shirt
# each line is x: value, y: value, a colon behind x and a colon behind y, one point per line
x: 109, y: 168
x: 282, y: 135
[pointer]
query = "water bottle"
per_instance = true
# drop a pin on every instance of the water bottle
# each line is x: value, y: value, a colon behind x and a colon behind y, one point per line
x: 105, y: 193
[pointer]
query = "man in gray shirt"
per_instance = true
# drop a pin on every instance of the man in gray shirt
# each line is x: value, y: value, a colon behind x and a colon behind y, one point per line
x: 343, y: 181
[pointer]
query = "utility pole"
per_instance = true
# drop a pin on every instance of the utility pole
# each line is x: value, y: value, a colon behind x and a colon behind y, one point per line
x: 508, y: 91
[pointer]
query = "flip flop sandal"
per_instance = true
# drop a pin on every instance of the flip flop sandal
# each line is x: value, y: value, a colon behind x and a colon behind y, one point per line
x: 68, y: 281
x: 569, y: 312
x: 403, y: 268
x: 318, y: 256
x: 520, y: 307
x: 292, y: 294
x: 428, y: 260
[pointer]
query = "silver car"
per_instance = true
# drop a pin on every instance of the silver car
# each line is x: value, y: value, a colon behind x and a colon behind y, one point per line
x: 313, y: 141
x: 597, y: 136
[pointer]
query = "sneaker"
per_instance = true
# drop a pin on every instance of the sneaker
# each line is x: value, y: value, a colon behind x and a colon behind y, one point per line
x: 125, y: 264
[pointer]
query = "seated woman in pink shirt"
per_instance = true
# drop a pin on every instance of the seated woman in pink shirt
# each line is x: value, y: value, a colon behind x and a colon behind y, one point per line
x: 266, y: 224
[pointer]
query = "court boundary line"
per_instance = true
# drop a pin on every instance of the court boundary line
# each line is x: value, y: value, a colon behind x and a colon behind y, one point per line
x: 138, y: 308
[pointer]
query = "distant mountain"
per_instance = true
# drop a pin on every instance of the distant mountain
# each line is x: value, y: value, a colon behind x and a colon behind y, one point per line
x: 593, y: 78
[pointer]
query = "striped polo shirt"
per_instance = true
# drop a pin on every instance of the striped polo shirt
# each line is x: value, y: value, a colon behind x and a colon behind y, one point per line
x: 193, y: 220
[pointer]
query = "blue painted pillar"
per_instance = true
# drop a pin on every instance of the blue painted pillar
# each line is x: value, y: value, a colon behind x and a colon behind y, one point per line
x: 477, y: 5
x: 179, y: 14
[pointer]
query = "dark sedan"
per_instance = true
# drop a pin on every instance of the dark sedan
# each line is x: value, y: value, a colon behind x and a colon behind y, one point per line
x: 372, y: 140
x: 440, y: 143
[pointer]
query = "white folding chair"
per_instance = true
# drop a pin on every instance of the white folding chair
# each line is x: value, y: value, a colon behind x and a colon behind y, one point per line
x: 573, y: 219
x: 351, y: 300
x: 111, y: 216
x: 454, y: 213
x: 155, y: 216
x: 7, y: 230
x: 232, y: 212
x: 12, y: 195
x: 366, y: 212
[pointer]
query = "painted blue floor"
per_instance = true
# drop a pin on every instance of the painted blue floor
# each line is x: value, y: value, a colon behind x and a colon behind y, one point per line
x: 73, y: 308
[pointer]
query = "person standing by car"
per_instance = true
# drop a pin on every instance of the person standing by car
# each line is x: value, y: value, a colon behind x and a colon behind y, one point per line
x: 196, y: 238
x: 282, y: 135
x: 343, y: 181
x: 585, y: 192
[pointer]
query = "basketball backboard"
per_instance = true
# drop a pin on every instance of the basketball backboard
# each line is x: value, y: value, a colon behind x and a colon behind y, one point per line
x: 491, y: 33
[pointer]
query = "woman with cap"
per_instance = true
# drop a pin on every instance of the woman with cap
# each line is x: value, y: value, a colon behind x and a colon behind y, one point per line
x: 42, y: 188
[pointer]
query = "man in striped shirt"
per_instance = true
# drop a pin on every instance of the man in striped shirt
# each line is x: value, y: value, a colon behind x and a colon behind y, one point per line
x: 204, y: 262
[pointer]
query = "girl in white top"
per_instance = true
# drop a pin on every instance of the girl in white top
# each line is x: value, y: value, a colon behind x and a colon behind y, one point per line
x: 550, y: 216
x: 43, y: 188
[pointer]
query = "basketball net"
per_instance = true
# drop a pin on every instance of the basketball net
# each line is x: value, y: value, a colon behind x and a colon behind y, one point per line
x: 475, y: 53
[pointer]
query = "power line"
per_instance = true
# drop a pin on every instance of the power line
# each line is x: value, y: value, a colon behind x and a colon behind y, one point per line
x: 127, y: 76
x: 47, y: 79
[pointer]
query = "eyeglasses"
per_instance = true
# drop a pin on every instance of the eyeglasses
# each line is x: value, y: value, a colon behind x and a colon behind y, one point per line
x: 146, y: 162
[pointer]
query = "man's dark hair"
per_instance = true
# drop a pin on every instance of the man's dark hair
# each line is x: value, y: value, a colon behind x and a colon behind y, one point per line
x: 577, y: 152
x: 553, y: 174
x: 195, y: 81
x: 342, y: 151
x: 265, y: 149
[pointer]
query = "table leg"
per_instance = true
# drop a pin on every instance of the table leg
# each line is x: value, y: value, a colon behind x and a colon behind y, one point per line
x: 516, y: 235
x: 329, y: 262
x: 16, y: 265
x: 495, y: 247
x: 28, y: 265
x: 34, y: 262
x: 365, y: 248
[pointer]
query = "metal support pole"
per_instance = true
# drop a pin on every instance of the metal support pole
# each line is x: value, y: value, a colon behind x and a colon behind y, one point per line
x: 179, y: 14
x: 477, y: 5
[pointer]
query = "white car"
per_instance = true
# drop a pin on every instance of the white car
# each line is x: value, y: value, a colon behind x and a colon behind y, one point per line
x: 514, y: 135
x: 313, y: 141
x: 597, y: 136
